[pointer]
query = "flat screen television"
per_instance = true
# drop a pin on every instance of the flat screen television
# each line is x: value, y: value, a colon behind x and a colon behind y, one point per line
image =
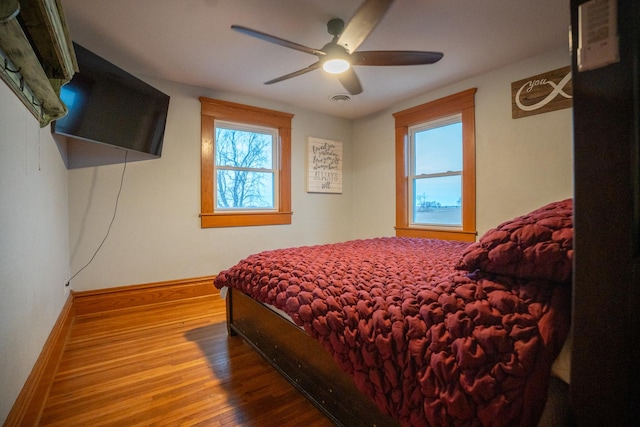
x: 107, y: 105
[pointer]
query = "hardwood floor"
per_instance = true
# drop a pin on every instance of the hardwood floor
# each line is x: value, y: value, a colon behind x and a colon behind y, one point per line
x: 169, y: 364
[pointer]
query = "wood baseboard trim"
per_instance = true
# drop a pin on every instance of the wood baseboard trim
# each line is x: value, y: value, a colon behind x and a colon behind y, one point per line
x: 91, y: 302
x: 27, y: 409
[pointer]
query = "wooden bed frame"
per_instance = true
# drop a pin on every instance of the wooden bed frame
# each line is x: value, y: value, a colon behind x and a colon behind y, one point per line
x: 311, y: 369
x: 302, y: 361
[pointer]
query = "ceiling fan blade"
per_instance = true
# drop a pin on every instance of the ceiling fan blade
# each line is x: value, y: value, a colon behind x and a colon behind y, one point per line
x: 395, y: 57
x: 294, y: 74
x: 362, y: 23
x: 350, y: 81
x: 277, y: 40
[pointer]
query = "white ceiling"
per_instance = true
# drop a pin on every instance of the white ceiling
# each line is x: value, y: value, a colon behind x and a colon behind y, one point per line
x: 189, y: 41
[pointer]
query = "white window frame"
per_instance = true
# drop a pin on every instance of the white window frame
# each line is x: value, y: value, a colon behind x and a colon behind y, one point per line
x: 426, y: 126
x: 275, y: 149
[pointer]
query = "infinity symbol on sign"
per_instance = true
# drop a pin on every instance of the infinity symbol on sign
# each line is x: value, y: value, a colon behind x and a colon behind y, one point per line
x: 557, y: 90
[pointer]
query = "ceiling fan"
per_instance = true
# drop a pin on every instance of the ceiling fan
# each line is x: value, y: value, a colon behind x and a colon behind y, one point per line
x: 340, y: 54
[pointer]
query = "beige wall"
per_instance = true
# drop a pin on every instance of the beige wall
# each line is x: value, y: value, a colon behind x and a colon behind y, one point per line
x: 34, y: 247
x: 157, y: 236
x: 521, y: 164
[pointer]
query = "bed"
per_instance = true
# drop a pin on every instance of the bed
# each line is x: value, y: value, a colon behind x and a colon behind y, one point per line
x: 415, y: 332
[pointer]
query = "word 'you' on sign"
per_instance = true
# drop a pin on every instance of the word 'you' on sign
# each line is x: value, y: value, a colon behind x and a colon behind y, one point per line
x: 545, y: 92
x: 324, y: 166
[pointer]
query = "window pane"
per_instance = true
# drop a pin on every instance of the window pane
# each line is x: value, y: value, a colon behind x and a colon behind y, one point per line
x: 244, y: 189
x: 244, y: 149
x: 438, y: 149
x: 438, y: 201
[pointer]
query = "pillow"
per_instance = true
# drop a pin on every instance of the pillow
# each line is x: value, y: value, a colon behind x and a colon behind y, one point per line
x: 538, y: 245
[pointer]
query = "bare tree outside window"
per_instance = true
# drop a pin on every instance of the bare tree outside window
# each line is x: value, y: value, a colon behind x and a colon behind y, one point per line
x: 261, y: 194
x: 244, y: 169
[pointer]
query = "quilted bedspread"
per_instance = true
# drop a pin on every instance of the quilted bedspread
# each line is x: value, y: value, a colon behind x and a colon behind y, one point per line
x: 431, y: 345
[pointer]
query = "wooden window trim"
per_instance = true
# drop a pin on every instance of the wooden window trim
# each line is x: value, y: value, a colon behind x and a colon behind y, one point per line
x: 460, y: 103
x: 212, y: 109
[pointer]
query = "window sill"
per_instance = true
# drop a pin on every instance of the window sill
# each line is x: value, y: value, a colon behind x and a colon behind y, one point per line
x: 436, y: 233
x: 213, y: 220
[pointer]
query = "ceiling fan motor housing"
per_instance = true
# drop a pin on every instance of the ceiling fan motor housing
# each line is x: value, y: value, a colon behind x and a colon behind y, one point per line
x: 335, y: 27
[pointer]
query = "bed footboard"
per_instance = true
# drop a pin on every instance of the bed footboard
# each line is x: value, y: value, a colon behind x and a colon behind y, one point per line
x: 302, y: 361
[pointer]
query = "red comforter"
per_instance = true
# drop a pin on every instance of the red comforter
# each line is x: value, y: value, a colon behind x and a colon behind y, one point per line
x: 431, y: 345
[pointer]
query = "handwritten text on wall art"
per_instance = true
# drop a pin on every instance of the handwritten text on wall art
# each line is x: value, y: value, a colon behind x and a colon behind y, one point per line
x: 324, y: 166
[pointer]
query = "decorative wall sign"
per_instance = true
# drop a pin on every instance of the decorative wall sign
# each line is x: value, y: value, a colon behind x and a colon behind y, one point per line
x: 545, y: 92
x: 324, y: 166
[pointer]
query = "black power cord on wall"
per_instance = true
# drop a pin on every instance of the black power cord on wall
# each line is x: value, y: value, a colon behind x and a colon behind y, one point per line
x: 115, y: 210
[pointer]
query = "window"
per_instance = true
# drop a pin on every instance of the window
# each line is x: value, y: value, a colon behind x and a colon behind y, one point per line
x: 245, y: 165
x: 435, y: 173
x: 435, y: 169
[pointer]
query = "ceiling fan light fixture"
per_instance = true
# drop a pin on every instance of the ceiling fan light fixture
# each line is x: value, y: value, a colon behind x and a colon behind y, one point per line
x: 337, y: 59
x: 336, y: 65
